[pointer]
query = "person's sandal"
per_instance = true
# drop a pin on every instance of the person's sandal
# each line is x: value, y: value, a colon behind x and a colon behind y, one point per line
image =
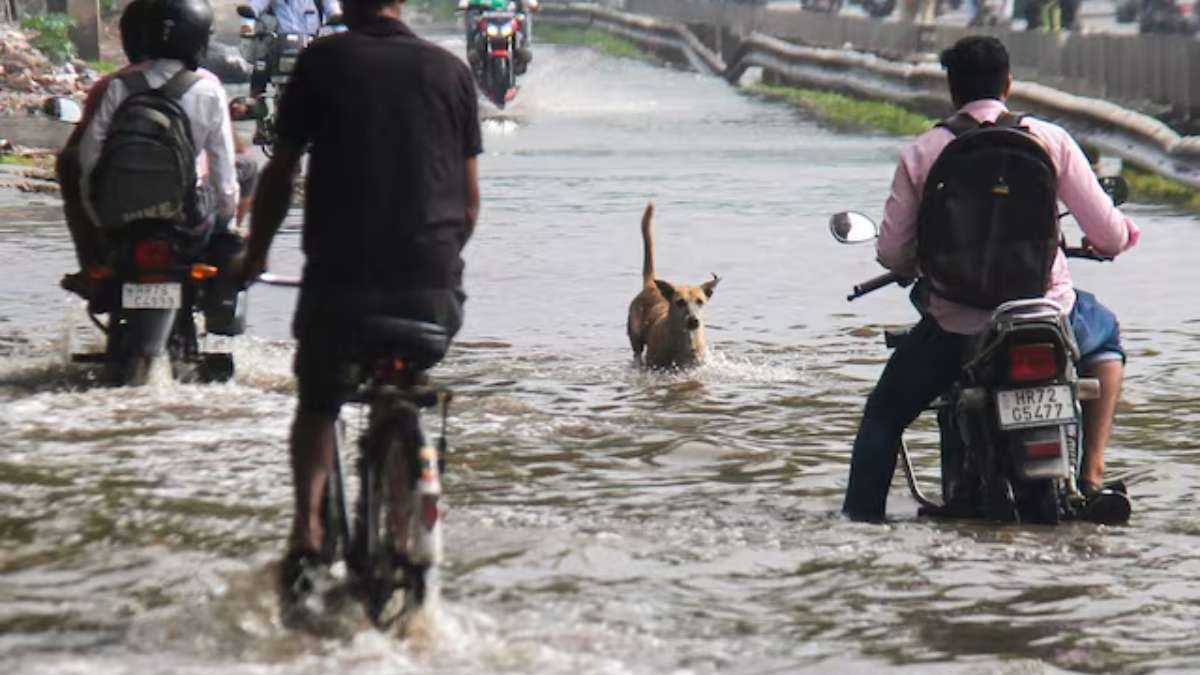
x: 1107, y: 505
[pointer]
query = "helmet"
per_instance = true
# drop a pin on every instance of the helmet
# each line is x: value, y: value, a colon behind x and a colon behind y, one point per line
x: 179, y: 29
x: 133, y: 30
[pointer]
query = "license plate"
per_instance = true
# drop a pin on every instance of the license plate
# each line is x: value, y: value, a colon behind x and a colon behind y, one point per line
x: 1035, y: 406
x: 152, y: 296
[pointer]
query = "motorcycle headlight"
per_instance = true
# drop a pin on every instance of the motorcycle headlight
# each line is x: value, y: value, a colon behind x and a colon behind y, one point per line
x: 493, y: 30
x: 506, y: 30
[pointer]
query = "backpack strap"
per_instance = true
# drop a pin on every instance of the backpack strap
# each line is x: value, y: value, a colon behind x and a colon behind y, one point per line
x: 180, y: 83
x: 958, y: 124
x: 135, y: 82
x: 1010, y: 120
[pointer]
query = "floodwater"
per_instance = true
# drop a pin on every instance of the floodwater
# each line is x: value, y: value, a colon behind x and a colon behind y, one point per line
x: 601, y: 519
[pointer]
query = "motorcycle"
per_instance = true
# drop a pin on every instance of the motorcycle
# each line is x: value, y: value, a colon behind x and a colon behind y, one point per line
x: 154, y: 291
x: 1011, y: 426
x: 493, y: 55
x: 1168, y: 16
x: 274, y: 53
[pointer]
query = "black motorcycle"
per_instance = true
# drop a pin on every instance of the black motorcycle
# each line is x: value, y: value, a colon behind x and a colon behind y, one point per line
x: 273, y: 55
x: 1011, y: 426
x: 154, y: 287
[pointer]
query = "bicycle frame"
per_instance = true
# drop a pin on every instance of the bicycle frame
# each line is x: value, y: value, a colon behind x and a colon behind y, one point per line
x: 394, y: 534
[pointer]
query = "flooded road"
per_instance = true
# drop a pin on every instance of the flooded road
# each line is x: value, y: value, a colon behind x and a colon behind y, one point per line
x: 602, y: 520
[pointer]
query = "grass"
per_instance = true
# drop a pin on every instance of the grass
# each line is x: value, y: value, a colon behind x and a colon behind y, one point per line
x: 17, y: 160
x: 853, y: 112
x: 595, y: 39
x: 1148, y: 187
x: 103, y: 67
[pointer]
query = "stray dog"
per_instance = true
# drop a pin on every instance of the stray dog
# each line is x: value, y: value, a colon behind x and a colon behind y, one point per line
x: 665, y: 320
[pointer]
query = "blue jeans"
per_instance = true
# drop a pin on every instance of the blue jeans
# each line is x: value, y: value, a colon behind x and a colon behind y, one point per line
x: 925, y: 364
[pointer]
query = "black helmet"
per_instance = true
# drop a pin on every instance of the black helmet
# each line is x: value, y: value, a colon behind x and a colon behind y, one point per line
x: 133, y: 29
x: 179, y: 29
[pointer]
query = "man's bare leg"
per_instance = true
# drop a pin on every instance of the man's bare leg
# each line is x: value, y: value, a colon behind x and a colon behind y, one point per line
x: 1098, y: 419
x: 312, y: 448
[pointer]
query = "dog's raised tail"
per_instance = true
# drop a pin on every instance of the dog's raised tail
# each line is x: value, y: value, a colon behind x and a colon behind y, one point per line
x: 648, y: 246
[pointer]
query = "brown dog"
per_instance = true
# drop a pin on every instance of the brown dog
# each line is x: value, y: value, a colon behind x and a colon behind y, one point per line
x: 665, y: 320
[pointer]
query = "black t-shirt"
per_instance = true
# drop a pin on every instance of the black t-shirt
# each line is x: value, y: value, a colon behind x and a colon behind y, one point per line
x: 392, y: 120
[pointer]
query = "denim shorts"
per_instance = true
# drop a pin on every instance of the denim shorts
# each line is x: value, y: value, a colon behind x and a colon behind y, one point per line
x: 1097, y: 331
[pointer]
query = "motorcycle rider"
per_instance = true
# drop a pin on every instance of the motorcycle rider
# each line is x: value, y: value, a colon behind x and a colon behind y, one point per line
x: 929, y: 359
x: 473, y: 9
x: 303, y: 17
x: 393, y: 247
x: 176, y: 36
x: 89, y: 245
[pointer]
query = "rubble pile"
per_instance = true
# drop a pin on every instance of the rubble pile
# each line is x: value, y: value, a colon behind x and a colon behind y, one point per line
x: 27, y: 77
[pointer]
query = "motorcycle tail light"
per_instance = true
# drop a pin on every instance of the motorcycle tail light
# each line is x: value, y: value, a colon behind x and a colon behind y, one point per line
x: 1043, y: 449
x: 1027, y: 363
x: 200, y: 272
x: 152, y: 254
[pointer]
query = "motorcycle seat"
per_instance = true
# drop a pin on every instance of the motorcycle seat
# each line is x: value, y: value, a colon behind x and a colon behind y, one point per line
x: 420, y: 343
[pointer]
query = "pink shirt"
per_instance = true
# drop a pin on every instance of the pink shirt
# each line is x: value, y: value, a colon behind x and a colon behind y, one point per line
x: 1108, y: 230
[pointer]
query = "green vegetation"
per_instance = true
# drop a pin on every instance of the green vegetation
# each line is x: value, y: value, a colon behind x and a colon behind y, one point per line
x: 17, y: 160
x: 852, y: 112
x: 1148, y: 187
x: 51, y: 35
x: 103, y: 67
x: 438, y: 10
x: 595, y: 39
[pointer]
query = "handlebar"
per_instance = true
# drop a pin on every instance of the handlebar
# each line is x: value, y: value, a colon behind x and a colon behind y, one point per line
x: 875, y: 284
x: 1085, y: 253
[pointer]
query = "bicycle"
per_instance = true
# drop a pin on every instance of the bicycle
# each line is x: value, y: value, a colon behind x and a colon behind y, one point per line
x: 395, y: 541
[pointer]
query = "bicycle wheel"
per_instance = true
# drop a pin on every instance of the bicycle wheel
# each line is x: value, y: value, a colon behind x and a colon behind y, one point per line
x: 383, y: 525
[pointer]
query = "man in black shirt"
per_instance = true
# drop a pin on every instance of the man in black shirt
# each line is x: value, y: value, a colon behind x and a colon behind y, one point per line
x: 391, y: 125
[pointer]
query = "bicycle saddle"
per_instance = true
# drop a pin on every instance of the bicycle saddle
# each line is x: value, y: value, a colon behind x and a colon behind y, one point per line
x: 420, y: 343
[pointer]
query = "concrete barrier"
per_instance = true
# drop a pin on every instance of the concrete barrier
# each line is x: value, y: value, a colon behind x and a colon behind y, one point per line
x: 1135, y: 137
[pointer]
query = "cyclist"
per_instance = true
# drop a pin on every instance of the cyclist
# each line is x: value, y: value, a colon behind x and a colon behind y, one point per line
x: 391, y: 198
x: 929, y: 359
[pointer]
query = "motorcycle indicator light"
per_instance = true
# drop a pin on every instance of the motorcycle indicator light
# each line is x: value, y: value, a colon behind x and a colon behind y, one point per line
x: 201, y: 272
x: 1043, y: 450
x: 152, y: 254
x: 1028, y: 363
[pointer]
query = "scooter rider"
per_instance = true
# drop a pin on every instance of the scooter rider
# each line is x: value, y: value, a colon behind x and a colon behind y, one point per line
x: 176, y: 37
x: 929, y: 359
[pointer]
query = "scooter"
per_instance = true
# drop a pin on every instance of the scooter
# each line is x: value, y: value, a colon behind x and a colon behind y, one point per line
x: 153, y: 291
x: 1011, y: 426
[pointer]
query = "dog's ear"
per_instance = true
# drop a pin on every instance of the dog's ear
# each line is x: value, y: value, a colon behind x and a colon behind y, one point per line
x: 665, y: 288
x: 709, y: 286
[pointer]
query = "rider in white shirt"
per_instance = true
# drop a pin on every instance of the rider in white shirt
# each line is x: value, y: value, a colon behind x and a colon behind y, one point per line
x: 178, y: 36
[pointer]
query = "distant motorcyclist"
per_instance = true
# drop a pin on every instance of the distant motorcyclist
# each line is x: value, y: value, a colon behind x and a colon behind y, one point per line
x: 929, y: 359
x: 302, y: 17
x: 473, y: 9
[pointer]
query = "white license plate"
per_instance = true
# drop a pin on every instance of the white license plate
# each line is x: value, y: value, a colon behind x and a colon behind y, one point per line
x: 1035, y: 406
x: 152, y: 296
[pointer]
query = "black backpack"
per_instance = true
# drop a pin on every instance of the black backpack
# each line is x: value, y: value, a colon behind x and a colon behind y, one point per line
x: 147, y: 166
x: 987, y: 229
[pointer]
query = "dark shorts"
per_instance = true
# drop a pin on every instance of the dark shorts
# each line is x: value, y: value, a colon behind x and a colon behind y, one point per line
x: 325, y: 345
x: 1097, y: 331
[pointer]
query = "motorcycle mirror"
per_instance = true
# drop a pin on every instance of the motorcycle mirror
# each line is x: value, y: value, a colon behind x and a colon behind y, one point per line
x: 1116, y: 187
x: 246, y: 11
x: 851, y: 227
x: 63, y: 109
